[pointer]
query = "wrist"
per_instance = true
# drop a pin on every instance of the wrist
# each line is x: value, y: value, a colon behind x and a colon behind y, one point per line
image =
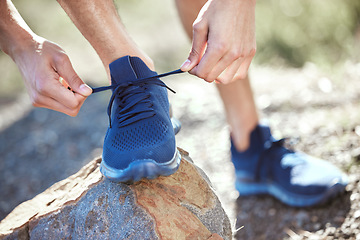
x: 15, y: 34
x: 22, y: 44
x: 17, y: 43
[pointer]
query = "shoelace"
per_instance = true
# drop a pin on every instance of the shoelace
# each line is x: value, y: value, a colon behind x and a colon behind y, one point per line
x: 125, y: 91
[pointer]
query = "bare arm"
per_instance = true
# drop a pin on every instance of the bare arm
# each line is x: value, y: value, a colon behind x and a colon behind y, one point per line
x: 101, y: 25
x: 41, y: 64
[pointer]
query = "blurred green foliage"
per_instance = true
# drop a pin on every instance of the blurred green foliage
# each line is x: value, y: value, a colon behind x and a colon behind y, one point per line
x: 293, y: 32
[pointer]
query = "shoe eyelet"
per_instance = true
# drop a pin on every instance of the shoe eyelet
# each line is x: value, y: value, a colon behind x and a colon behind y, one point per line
x: 267, y: 144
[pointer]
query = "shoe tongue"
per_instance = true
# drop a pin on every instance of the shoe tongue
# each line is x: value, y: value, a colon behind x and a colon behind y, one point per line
x: 265, y: 133
x: 127, y: 69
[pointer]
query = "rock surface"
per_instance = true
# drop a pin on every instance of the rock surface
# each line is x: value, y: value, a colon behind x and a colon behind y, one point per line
x: 87, y: 206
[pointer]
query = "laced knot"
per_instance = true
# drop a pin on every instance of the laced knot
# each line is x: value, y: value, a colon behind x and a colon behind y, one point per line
x: 133, y: 99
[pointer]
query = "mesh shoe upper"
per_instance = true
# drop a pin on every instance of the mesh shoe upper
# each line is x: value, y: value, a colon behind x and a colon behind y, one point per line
x: 140, y: 126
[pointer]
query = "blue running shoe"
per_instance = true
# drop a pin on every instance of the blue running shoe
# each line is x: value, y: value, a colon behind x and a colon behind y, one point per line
x: 140, y: 141
x: 296, y: 179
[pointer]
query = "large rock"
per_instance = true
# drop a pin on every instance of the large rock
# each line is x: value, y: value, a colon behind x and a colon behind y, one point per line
x: 87, y: 206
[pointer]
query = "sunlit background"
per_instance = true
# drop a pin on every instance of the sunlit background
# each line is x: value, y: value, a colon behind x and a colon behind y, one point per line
x: 305, y: 77
x: 289, y: 33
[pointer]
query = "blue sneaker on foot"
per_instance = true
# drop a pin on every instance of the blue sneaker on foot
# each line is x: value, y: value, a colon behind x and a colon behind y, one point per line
x: 296, y: 179
x: 140, y: 141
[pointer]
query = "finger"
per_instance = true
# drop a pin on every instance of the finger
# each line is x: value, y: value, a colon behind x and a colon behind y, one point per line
x: 50, y: 103
x: 65, y: 84
x: 222, y: 65
x: 227, y: 76
x: 53, y: 88
x: 65, y: 70
x: 200, y: 32
x: 243, y: 70
x: 80, y: 99
x: 215, y: 50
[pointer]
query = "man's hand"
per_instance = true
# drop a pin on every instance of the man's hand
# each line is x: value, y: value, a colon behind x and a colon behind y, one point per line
x: 41, y: 64
x: 223, y: 43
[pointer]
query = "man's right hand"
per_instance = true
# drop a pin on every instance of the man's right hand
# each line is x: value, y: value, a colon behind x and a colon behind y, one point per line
x: 41, y: 64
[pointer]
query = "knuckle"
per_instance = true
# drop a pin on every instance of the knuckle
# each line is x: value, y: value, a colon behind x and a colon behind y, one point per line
x: 252, y: 52
x: 76, y: 104
x: 76, y: 111
x: 235, y: 54
x: 221, y: 47
x: 199, y: 27
x: 73, y: 113
x: 62, y: 58
x: 223, y: 80
x: 73, y: 105
x: 210, y: 77
x: 226, y: 78
x: 202, y: 75
x: 42, y: 87
x: 36, y: 100
x: 241, y: 75
x: 210, y: 80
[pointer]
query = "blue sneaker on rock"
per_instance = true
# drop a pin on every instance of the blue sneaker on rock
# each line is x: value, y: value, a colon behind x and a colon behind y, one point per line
x: 296, y: 179
x: 140, y: 141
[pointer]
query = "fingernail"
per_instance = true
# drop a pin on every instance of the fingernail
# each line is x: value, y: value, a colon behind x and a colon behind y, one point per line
x: 185, y: 65
x: 85, y: 89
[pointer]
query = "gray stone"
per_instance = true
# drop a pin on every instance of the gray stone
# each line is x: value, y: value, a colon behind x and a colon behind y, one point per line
x: 87, y: 206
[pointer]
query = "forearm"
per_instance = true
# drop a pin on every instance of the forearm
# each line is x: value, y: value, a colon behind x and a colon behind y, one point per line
x: 15, y: 34
x: 100, y: 24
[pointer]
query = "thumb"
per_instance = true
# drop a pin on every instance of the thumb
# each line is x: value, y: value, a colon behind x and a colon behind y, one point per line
x: 67, y: 72
x: 198, y: 46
